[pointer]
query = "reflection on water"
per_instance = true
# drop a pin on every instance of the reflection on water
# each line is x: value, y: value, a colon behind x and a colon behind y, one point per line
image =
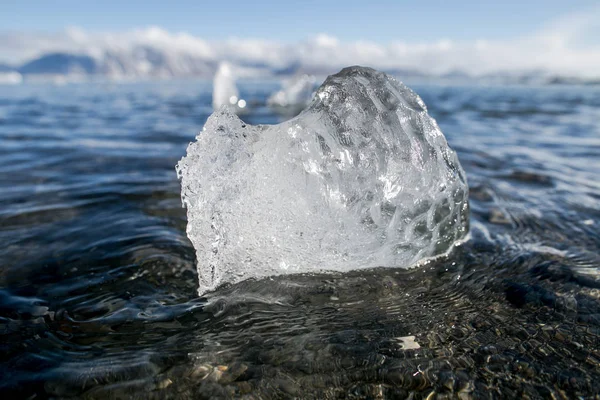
x: 98, y: 279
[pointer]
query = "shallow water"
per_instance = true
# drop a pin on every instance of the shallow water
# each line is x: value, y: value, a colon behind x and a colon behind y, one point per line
x: 98, y: 279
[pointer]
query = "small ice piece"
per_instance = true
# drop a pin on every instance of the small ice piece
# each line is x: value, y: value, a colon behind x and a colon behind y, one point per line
x: 362, y: 178
x: 408, y: 343
x: 10, y: 78
x: 295, y: 94
x: 225, y: 92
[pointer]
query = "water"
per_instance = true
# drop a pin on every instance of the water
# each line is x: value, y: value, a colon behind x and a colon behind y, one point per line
x: 98, y: 279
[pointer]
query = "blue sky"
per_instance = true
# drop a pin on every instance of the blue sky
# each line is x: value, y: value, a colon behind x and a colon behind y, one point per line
x: 349, y: 20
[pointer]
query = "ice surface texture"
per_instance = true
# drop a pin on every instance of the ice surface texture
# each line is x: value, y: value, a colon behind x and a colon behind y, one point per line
x: 362, y: 178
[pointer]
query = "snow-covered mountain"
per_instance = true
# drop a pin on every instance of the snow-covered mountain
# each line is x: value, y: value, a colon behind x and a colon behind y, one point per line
x: 150, y: 64
x: 141, y: 63
x: 150, y: 53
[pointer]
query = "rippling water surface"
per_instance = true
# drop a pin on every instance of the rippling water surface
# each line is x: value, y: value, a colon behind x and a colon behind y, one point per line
x: 98, y: 279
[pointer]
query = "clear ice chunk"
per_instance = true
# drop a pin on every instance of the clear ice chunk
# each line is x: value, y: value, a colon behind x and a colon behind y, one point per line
x: 362, y: 178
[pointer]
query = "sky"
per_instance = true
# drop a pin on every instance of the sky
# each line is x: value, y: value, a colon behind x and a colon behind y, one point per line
x: 348, y: 20
x: 434, y: 36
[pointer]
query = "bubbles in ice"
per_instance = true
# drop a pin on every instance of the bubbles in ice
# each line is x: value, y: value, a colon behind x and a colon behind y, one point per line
x: 362, y: 178
x: 225, y: 92
x: 295, y: 94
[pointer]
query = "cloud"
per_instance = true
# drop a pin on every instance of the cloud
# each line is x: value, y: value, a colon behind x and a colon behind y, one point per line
x: 564, y: 46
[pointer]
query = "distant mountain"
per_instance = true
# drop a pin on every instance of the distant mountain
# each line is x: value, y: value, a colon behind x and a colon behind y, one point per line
x: 142, y: 62
x: 145, y: 61
x: 6, y: 68
x: 153, y: 52
x: 60, y: 64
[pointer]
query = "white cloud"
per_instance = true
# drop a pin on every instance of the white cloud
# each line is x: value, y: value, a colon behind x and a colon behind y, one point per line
x: 563, y: 46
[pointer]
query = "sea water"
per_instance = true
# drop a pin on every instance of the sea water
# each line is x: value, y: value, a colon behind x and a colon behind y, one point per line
x: 98, y: 279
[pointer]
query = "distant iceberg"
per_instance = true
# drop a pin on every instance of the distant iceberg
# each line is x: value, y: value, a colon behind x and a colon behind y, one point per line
x: 295, y: 94
x: 10, y: 78
x: 225, y: 91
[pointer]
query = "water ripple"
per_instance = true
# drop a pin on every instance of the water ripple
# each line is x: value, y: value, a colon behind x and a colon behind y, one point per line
x: 98, y: 279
